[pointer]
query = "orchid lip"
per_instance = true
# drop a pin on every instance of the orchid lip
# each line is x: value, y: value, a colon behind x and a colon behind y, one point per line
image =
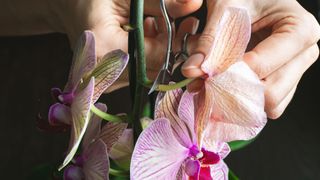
x: 209, y: 157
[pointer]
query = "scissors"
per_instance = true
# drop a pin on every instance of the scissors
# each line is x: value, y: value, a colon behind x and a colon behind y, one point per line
x: 164, y: 76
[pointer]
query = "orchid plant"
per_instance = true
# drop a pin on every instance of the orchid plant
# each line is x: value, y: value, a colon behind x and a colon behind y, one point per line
x: 87, y: 81
x: 191, y: 133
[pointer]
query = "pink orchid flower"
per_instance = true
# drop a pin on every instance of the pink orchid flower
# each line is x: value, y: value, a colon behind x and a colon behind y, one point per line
x: 168, y: 149
x: 231, y: 103
x: 93, y: 163
x: 87, y: 81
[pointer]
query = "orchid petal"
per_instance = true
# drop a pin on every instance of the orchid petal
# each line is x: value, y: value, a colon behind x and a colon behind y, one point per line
x: 83, y: 62
x: 94, y: 126
x: 219, y: 171
x: 121, y: 151
x: 230, y: 41
x: 80, y: 110
x: 192, y: 169
x: 108, y: 71
x: 96, y: 166
x: 238, y: 107
x: 203, y: 111
x: 186, y: 112
x: 59, y: 114
x: 167, y: 108
x: 111, y: 132
x: 157, y: 154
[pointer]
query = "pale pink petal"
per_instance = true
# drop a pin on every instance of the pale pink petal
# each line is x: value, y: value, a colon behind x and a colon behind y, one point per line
x: 237, y: 97
x: 157, y: 154
x: 83, y: 61
x: 108, y: 71
x: 111, y: 132
x: 80, y: 111
x: 122, y: 150
x: 230, y: 41
x: 96, y: 165
x: 168, y: 108
x: 219, y: 171
x: 94, y: 126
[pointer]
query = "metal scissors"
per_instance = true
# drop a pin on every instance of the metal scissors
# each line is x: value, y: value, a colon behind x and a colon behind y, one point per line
x: 164, y: 76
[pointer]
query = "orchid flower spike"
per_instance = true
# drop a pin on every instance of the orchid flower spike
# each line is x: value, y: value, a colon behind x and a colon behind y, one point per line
x: 168, y: 148
x: 231, y: 102
x: 87, y: 81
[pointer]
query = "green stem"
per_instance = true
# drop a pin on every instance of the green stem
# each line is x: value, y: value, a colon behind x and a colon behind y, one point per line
x: 120, y: 173
x: 138, y: 65
x: 106, y: 116
x: 139, y: 41
x: 169, y: 87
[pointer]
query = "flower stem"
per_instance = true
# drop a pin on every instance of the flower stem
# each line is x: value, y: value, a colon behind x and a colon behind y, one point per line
x: 137, y: 65
x: 169, y: 87
x: 120, y: 173
x: 106, y: 116
x: 139, y: 37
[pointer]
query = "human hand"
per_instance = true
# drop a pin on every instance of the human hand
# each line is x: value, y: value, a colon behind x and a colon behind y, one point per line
x: 106, y: 18
x: 283, y: 47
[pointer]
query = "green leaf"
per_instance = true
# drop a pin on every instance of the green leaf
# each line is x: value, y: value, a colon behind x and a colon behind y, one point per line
x: 232, y: 176
x: 236, y: 145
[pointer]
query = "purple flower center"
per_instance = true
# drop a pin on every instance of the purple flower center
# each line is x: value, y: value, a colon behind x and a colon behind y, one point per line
x: 205, y: 157
x: 199, y: 159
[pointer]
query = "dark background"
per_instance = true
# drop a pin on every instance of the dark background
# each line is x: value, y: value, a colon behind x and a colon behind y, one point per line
x: 288, y: 148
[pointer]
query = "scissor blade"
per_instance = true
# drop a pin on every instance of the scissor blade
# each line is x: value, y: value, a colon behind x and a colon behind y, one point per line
x: 163, y: 78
